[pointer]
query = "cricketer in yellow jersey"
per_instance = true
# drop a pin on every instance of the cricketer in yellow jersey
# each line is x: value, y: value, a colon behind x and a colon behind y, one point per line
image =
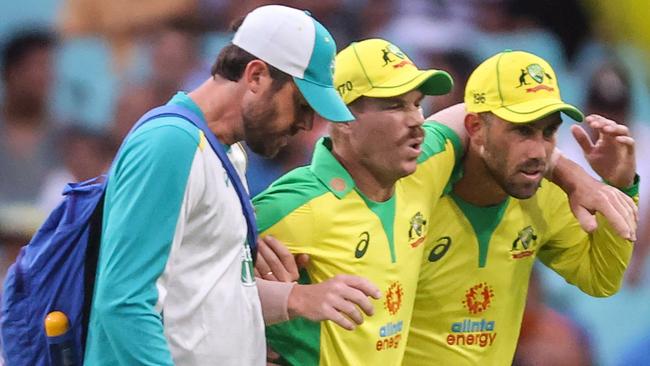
x: 502, y: 214
x: 352, y: 211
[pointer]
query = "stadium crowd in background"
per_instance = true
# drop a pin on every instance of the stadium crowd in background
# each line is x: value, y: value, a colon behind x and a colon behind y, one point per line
x: 71, y: 88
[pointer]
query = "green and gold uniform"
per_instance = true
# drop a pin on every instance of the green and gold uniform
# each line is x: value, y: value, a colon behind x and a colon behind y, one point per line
x: 476, y: 266
x: 318, y: 211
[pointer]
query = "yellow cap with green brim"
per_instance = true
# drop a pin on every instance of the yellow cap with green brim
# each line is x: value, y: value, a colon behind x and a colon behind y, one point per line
x: 518, y: 87
x: 377, y: 68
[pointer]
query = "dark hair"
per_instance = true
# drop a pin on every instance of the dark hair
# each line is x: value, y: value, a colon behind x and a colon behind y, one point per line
x: 183, y: 25
x: 232, y: 60
x: 22, y: 44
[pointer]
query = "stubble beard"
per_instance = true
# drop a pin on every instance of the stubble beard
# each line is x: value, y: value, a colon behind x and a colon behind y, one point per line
x: 256, y: 119
x: 496, y: 167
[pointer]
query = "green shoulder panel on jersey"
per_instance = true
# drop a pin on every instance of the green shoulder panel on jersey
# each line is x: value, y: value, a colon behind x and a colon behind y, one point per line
x: 297, y: 340
x: 435, y: 139
x: 289, y: 192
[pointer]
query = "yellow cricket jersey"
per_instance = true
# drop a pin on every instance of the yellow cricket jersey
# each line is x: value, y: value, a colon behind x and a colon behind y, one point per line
x: 476, y: 266
x: 317, y: 210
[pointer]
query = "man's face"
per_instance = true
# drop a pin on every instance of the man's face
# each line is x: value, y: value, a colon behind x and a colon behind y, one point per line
x: 387, y: 134
x: 32, y: 78
x: 517, y: 155
x: 272, y: 118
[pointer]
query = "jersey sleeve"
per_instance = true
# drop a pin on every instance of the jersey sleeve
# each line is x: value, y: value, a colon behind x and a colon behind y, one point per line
x: 439, y: 137
x: 144, y: 198
x: 594, y: 262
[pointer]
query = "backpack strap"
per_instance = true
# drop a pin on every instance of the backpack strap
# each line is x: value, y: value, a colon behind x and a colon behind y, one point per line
x: 217, y: 147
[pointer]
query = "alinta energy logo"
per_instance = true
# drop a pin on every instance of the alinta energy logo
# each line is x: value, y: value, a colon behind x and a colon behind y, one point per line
x: 390, y: 334
x: 472, y: 331
x: 394, y: 296
x: 478, y: 298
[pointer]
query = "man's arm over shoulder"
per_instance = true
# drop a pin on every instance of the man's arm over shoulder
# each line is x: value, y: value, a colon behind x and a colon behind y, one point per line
x: 454, y: 118
x: 440, y: 162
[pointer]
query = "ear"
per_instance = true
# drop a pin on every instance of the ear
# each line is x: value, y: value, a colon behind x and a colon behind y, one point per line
x: 256, y: 76
x: 339, y: 130
x: 475, y: 128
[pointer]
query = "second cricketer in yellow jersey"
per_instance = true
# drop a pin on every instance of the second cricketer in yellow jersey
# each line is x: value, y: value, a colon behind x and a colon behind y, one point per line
x: 502, y: 215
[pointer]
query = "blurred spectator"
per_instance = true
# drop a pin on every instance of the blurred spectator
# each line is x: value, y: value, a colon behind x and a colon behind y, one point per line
x: 335, y: 15
x: 547, y: 337
x: 374, y: 16
x: 459, y: 65
x: 86, y: 154
x: 440, y: 28
x: 567, y: 19
x: 133, y: 102
x: 27, y: 135
x: 121, y: 22
x: 175, y: 61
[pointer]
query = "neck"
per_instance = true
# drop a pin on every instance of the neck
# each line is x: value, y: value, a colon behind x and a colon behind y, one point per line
x: 220, y: 101
x: 478, y: 186
x: 372, y: 185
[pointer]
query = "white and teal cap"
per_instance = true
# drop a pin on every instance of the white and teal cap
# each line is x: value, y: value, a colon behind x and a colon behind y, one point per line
x: 295, y: 43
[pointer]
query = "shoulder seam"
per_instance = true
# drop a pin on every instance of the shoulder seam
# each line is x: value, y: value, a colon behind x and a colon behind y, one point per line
x: 196, y: 139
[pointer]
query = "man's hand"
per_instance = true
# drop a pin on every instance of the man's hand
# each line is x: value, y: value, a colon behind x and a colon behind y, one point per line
x: 616, y: 207
x: 276, y: 263
x: 587, y: 195
x: 339, y: 299
x: 612, y: 155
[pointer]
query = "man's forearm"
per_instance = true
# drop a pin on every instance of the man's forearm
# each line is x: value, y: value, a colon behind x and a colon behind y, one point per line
x: 274, y: 297
x: 565, y: 173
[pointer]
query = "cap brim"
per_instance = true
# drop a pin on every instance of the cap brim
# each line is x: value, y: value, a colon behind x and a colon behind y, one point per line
x: 535, y: 109
x: 429, y: 82
x: 325, y: 101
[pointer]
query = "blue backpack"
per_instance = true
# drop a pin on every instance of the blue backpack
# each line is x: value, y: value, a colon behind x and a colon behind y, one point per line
x: 56, y: 270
